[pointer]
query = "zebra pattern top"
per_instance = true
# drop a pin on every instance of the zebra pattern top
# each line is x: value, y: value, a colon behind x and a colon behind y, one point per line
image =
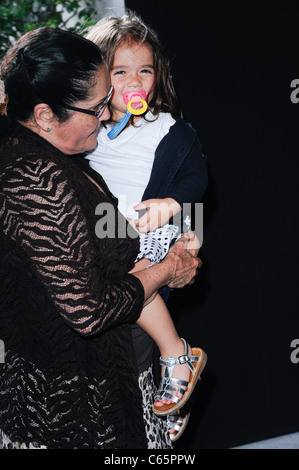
x: 69, y: 378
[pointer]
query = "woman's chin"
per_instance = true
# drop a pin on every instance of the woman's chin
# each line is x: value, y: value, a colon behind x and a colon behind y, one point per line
x: 92, y: 143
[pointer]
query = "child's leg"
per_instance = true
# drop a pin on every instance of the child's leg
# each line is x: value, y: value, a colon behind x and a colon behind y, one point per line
x: 155, y: 319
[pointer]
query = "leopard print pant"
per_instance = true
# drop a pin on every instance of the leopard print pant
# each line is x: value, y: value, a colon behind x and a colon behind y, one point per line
x: 155, y: 427
x: 6, y: 443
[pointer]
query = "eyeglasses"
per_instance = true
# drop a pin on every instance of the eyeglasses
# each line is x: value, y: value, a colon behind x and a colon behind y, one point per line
x: 97, y: 113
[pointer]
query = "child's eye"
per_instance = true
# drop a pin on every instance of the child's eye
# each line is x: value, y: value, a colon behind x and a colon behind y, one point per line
x: 146, y: 71
x: 119, y: 72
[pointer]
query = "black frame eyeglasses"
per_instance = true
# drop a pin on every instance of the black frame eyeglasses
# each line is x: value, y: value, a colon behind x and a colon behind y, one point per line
x: 97, y: 113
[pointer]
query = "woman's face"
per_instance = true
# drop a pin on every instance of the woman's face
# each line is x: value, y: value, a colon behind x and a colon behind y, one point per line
x: 79, y: 133
x: 132, y: 70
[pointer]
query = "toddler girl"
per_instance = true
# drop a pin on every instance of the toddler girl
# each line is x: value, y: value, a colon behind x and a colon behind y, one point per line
x: 155, y: 159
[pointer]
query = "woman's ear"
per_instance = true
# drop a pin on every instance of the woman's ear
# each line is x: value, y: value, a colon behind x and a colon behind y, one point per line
x: 44, y: 116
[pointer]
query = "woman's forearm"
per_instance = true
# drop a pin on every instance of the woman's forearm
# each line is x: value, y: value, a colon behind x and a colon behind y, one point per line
x: 153, y: 278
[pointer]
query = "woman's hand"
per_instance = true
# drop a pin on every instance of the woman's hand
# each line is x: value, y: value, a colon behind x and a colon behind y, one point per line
x: 176, y: 270
x: 183, y: 264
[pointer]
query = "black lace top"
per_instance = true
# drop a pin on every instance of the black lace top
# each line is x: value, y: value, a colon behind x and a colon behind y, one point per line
x: 66, y: 303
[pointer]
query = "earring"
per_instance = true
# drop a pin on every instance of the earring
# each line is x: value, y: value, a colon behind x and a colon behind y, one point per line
x: 48, y: 129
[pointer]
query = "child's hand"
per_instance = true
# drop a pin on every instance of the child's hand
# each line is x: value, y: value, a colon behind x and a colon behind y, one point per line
x: 193, y: 244
x: 158, y: 213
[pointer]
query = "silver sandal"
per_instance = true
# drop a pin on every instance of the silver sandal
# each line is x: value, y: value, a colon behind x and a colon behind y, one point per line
x: 177, y: 421
x: 196, y: 363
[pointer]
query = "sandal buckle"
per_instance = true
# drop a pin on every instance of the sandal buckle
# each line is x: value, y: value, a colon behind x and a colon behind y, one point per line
x: 183, y: 359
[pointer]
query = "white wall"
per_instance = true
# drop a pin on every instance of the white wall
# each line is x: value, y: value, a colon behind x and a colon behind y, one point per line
x: 106, y: 7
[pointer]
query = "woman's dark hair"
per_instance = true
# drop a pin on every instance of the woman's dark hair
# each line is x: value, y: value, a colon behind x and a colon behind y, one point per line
x: 110, y: 32
x: 52, y: 66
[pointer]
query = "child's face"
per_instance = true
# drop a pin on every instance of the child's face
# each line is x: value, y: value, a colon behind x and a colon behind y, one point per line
x: 132, y: 70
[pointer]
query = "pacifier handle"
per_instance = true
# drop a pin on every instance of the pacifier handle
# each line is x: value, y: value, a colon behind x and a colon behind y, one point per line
x: 119, y: 126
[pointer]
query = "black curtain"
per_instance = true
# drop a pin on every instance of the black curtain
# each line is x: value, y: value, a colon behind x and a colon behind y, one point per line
x: 233, y: 65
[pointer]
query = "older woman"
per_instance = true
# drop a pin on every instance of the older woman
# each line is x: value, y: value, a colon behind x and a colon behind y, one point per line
x: 69, y: 378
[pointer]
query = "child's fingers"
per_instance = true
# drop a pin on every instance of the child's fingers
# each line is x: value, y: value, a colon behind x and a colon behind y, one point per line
x: 192, y: 243
x: 141, y: 206
x: 145, y: 226
x: 142, y: 221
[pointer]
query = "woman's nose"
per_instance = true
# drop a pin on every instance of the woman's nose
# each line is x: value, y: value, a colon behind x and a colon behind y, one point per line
x: 106, y: 114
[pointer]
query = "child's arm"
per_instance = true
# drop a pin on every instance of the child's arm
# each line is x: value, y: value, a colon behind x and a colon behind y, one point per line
x: 181, y: 179
x: 189, y: 183
x: 158, y: 212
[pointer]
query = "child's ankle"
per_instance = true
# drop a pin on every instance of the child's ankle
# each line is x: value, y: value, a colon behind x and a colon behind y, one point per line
x: 175, y: 350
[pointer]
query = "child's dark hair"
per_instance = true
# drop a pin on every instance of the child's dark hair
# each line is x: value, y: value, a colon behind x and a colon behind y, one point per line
x: 48, y: 65
x: 110, y: 32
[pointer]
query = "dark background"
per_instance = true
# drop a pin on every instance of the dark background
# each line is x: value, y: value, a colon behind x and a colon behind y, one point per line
x: 233, y: 64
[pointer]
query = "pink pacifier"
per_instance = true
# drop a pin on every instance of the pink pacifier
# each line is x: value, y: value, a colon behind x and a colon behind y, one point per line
x: 135, y: 101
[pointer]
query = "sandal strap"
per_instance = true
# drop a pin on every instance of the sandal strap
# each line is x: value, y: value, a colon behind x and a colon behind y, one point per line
x: 173, y: 418
x: 168, y: 382
x: 168, y: 386
x: 168, y: 396
x: 175, y: 424
x: 171, y: 361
